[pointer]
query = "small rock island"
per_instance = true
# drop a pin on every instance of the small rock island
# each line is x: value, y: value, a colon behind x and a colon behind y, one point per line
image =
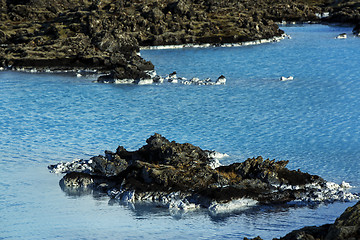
x: 185, y: 176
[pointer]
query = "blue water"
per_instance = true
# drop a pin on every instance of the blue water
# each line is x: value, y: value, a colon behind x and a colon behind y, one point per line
x: 313, y: 121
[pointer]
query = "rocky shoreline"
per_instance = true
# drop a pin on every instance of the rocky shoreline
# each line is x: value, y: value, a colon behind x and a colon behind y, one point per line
x: 183, y: 176
x: 105, y: 36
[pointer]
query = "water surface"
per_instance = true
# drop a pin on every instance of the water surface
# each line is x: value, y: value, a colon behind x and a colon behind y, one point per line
x: 312, y: 121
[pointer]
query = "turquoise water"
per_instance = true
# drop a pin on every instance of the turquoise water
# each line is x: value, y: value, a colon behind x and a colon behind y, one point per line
x: 313, y: 121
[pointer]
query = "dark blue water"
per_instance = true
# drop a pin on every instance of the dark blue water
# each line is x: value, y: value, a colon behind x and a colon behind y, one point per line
x: 313, y: 121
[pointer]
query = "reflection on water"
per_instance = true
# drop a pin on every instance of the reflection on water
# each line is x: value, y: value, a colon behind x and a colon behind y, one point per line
x: 77, y: 192
x: 143, y: 210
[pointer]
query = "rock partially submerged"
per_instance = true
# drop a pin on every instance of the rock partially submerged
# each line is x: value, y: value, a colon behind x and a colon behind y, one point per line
x: 341, y: 36
x: 347, y: 226
x: 153, y: 78
x: 184, y: 176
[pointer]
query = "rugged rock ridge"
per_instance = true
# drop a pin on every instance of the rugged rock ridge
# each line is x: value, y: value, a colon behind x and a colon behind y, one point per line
x: 105, y: 36
x: 161, y: 168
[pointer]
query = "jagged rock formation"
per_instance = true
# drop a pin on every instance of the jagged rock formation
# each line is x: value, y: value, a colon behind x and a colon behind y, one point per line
x: 105, y: 35
x: 346, y: 227
x: 161, y: 168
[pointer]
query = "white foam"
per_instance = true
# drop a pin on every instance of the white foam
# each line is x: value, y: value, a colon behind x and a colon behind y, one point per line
x: 218, y: 155
x: 173, y: 80
x: 151, y: 73
x: 214, y: 163
x: 196, y: 81
x: 322, y: 15
x: 237, y: 204
x: 78, y: 165
x: 215, y: 158
x: 181, y: 204
x: 122, y: 195
x: 345, y: 185
x: 330, y: 192
x: 144, y: 81
x: 341, y: 36
x: 207, y: 45
x: 124, y: 81
x: 286, y: 78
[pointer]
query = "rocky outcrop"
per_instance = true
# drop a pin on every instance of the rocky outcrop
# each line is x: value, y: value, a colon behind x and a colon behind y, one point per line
x: 163, y: 169
x: 346, y: 227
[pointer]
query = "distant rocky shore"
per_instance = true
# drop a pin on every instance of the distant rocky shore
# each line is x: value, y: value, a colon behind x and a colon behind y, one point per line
x: 104, y: 36
x: 184, y: 176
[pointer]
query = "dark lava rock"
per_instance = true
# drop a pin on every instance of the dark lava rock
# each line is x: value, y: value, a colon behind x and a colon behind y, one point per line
x: 345, y: 12
x: 110, y: 165
x: 106, y: 35
x: 356, y: 29
x: 166, y: 166
x: 68, y: 35
x: 346, y: 227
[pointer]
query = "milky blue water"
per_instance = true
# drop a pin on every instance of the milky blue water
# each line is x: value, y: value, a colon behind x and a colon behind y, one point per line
x: 313, y: 121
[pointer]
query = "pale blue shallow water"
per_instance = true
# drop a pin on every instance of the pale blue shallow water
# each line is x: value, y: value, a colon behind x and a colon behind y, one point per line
x: 312, y: 121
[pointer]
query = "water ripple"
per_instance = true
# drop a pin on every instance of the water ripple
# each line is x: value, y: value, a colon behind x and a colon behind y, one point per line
x: 313, y: 121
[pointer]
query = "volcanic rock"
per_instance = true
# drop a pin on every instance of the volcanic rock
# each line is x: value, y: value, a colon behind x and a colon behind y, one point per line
x: 162, y: 167
x: 346, y: 227
x: 105, y: 36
